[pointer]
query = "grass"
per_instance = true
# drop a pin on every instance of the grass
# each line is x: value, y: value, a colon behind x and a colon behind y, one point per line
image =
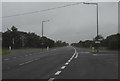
x: 103, y: 48
x: 4, y: 51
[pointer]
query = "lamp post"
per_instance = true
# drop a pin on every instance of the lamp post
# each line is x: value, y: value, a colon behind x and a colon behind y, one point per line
x: 97, y: 21
x: 42, y: 32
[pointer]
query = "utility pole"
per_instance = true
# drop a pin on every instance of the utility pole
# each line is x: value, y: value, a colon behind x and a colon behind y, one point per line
x: 42, y: 32
x: 97, y: 41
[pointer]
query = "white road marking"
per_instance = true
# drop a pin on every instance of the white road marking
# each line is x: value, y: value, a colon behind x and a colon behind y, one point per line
x: 29, y: 61
x: 66, y: 63
x: 51, y: 79
x: 21, y: 64
x: 6, y: 59
x: 69, y: 60
x: 26, y: 62
x: 58, y: 72
x: 95, y: 54
x: 84, y: 52
x: 63, y: 67
x: 76, y: 55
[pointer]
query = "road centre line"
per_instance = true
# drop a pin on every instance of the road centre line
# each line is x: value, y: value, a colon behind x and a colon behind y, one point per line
x: 58, y: 72
x: 51, y: 79
x: 66, y: 63
x: 7, y: 59
x: 69, y: 60
x: 63, y: 67
x: 26, y: 62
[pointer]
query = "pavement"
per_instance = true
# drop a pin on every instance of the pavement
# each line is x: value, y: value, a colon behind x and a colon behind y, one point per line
x: 60, y: 63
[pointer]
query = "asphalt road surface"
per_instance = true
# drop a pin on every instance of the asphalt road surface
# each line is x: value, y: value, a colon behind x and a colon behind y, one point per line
x: 60, y: 63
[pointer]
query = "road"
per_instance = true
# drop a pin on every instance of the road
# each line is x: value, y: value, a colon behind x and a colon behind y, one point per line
x: 60, y: 63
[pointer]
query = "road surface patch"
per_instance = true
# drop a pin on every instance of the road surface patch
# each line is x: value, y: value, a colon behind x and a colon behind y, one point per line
x: 57, y: 73
x: 20, y: 56
x: 30, y: 54
x: 26, y: 55
x: 14, y: 57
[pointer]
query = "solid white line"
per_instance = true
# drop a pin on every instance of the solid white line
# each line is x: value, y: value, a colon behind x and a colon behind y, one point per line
x: 51, y: 79
x: 63, y: 67
x: 58, y: 72
x: 76, y: 55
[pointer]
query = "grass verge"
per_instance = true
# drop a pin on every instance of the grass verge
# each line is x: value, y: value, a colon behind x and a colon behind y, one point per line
x: 4, y: 51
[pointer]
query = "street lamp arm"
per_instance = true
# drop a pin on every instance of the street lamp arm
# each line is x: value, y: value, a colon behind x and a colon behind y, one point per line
x: 46, y: 21
x: 90, y: 3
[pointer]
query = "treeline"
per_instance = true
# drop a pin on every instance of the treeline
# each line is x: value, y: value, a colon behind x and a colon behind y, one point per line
x: 19, y: 39
x: 110, y: 42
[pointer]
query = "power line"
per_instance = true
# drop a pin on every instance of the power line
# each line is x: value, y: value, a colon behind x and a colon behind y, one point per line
x: 41, y: 10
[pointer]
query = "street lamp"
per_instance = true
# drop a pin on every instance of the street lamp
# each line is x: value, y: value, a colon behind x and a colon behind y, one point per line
x: 97, y: 20
x: 42, y: 26
x: 42, y: 32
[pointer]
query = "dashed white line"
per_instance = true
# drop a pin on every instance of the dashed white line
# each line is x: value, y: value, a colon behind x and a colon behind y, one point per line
x: 95, y: 54
x: 66, y: 63
x: 63, y: 67
x: 21, y: 64
x: 69, y: 60
x: 26, y: 62
x: 6, y: 59
x: 58, y: 72
x: 51, y: 79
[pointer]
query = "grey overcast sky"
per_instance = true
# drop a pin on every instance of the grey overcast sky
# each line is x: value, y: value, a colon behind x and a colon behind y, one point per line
x: 70, y: 24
